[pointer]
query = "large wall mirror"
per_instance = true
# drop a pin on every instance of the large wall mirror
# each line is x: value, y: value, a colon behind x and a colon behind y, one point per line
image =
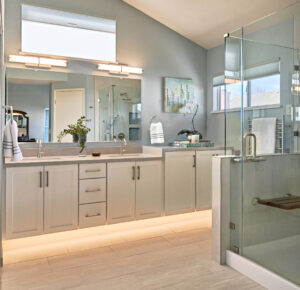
x: 46, y: 102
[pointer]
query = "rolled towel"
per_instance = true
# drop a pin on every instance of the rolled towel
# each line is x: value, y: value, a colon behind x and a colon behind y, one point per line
x: 157, y: 133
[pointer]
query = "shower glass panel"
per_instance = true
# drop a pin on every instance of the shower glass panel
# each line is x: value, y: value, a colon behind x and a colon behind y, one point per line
x: 120, y: 112
x: 262, y: 60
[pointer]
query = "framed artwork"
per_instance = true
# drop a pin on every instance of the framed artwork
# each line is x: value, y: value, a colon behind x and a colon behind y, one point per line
x: 179, y: 96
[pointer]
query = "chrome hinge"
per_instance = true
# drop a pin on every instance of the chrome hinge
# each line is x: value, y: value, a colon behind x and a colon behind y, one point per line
x: 232, y: 226
x: 236, y: 249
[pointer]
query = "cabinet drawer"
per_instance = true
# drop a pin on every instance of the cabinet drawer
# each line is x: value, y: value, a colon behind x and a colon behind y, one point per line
x: 91, y: 215
x: 92, y: 170
x: 92, y: 190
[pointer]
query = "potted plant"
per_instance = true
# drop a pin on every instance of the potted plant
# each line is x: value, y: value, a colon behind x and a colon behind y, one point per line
x: 78, y: 131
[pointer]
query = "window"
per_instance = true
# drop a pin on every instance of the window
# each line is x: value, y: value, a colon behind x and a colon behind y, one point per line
x: 46, y: 125
x: 262, y: 91
x: 229, y: 96
x: 57, y: 33
x: 260, y: 88
x: 265, y: 91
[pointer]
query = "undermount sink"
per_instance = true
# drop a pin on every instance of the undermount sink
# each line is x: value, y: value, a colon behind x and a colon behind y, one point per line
x: 125, y: 155
x: 43, y: 158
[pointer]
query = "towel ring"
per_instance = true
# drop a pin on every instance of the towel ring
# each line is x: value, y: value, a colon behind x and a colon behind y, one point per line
x: 153, y: 117
x: 11, y: 111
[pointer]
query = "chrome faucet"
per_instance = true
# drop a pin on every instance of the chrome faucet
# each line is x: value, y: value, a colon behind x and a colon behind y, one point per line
x: 246, y: 136
x: 123, y: 143
x: 40, y: 147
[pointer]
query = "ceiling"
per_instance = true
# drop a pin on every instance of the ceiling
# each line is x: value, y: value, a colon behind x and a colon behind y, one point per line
x: 206, y: 21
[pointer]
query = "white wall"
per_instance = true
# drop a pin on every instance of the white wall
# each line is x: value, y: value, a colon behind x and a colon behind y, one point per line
x: 142, y: 42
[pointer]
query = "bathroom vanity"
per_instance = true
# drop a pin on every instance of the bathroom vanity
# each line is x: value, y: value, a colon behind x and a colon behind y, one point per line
x: 59, y: 193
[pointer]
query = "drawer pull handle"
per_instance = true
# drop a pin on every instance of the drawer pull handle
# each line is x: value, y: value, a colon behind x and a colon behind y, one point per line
x: 93, y: 215
x: 47, y: 178
x: 139, y: 172
x: 93, y: 190
x: 92, y: 170
x: 41, y: 179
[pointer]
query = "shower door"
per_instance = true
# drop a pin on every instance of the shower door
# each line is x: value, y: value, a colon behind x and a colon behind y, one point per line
x: 261, y: 99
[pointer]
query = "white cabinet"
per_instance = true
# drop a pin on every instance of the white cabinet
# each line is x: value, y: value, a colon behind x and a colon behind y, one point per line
x: 41, y: 200
x: 180, y: 182
x: 120, y: 191
x: 204, y: 177
x: 148, y: 189
x: 61, y: 198
x: 134, y: 190
x: 24, y: 201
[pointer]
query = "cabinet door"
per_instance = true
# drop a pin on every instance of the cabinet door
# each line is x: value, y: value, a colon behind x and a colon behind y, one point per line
x: 24, y: 201
x: 204, y: 177
x: 180, y: 182
x: 120, y: 192
x: 61, y: 197
x: 148, y: 189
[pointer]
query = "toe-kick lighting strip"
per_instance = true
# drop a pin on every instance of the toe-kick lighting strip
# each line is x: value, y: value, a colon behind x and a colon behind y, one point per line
x: 36, y: 61
x: 119, y: 69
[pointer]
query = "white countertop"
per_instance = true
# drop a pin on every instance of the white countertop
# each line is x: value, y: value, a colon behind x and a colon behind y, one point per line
x: 81, y: 159
x: 149, y: 153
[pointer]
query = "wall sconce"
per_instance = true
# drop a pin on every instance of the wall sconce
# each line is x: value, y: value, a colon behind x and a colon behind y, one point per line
x: 36, y: 61
x: 119, y: 69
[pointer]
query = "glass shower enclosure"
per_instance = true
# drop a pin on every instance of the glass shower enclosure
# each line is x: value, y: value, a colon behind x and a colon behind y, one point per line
x: 262, y: 123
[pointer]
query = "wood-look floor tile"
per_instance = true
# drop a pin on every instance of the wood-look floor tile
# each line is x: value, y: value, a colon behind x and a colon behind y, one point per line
x: 141, y: 246
x: 81, y: 258
x: 173, y: 254
x: 126, y: 282
x: 188, y: 237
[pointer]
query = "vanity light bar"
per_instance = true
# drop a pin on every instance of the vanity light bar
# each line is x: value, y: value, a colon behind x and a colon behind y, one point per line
x: 110, y: 67
x: 37, y: 61
x: 121, y: 69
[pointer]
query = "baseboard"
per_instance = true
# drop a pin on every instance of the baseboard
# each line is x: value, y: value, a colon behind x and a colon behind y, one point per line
x: 258, y: 273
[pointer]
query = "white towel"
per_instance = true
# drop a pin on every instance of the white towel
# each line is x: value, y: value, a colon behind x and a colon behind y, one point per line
x: 10, y: 141
x: 157, y: 133
x: 265, y: 132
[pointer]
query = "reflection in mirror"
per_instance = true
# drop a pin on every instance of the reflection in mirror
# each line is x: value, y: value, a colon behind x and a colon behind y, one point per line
x: 46, y: 102
x: 119, y: 108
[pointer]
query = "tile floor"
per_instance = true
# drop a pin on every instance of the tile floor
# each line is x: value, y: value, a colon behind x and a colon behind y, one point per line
x: 164, y: 253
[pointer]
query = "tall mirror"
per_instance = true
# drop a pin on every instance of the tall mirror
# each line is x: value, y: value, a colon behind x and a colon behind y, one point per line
x: 46, y: 102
